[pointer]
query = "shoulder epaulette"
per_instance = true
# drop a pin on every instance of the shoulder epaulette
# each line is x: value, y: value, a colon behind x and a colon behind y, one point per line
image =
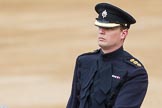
x: 133, y: 61
x: 90, y: 53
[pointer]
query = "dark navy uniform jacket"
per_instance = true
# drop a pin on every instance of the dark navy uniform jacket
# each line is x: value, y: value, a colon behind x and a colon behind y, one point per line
x: 113, y: 80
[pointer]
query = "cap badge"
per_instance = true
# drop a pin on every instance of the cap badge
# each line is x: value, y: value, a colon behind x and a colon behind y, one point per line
x: 104, y: 13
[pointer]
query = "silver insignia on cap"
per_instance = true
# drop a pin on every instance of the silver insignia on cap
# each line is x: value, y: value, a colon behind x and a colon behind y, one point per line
x: 104, y: 13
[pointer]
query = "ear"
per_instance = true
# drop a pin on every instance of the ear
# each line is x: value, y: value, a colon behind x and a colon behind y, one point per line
x: 124, y: 33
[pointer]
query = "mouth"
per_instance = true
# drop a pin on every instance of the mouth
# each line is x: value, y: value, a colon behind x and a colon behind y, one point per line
x: 101, y: 39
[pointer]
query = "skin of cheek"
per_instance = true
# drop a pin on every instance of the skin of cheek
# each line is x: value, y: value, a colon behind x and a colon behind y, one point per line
x: 111, y: 38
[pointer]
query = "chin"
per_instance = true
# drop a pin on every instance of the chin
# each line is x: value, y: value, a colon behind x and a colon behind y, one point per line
x: 102, y: 46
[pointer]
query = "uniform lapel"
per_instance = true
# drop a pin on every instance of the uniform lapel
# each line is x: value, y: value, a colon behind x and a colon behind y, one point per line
x: 91, y: 72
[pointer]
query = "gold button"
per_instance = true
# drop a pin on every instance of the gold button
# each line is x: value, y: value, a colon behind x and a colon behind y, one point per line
x: 135, y: 62
x: 139, y: 65
x: 131, y: 60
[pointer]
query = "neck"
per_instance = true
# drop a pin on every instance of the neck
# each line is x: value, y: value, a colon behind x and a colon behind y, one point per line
x: 109, y: 50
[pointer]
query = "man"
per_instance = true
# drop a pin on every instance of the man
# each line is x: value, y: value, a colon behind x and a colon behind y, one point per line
x: 109, y: 77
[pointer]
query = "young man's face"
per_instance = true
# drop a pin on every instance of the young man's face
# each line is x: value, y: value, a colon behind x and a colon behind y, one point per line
x: 110, y: 38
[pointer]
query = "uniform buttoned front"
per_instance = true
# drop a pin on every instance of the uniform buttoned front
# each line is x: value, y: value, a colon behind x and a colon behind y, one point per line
x: 99, y: 87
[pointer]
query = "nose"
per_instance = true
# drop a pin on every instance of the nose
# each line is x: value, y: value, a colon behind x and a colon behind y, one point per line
x: 101, y: 30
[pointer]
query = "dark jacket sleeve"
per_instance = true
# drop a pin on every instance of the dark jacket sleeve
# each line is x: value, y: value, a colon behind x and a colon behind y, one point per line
x: 73, y: 101
x: 132, y: 93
